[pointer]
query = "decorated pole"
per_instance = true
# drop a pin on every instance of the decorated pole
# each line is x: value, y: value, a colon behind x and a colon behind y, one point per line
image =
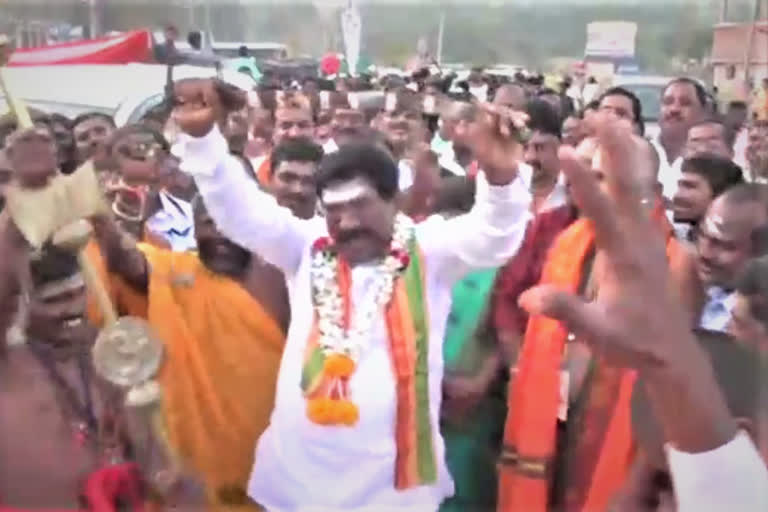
x: 351, y: 29
x: 126, y: 353
x: 15, y: 105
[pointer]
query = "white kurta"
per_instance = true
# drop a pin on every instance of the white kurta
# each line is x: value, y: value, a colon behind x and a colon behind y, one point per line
x: 730, y: 477
x: 301, y: 466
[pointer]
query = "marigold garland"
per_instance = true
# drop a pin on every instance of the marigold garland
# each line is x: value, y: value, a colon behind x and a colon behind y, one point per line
x: 339, y: 366
x: 332, y: 411
x: 343, y: 344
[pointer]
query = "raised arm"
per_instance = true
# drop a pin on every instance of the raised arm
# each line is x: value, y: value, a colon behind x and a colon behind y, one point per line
x: 121, y: 253
x: 244, y: 214
x: 494, y: 228
x: 485, y: 237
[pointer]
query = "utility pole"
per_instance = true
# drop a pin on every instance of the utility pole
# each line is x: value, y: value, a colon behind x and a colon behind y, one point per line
x: 440, y: 35
x: 94, y: 18
x: 208, y: 26
x: 724, y: 11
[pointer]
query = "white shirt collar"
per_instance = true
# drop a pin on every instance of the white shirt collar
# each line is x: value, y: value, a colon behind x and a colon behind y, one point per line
x: 174, y: 222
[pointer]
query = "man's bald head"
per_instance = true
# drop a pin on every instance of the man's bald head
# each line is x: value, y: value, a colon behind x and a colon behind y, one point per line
x: 747, y: 202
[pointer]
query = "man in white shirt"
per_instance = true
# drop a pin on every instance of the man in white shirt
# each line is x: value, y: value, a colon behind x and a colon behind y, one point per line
x: 347, y: 120
x: 403, y: 127
x: 757, y: 152
x: 704, y: 177
x: 478, y: 86
x: 710, y: 135
x: 293, y: 118
x: 547, y: 185
x: 725, y: 243
x: 356, y: 420
x: 683, y: 103
x: 737, y: 117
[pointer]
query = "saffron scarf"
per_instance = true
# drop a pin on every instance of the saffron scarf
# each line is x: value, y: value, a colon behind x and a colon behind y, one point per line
x: 602, y: 455
x: 408, y: 329
x: 219, y: 340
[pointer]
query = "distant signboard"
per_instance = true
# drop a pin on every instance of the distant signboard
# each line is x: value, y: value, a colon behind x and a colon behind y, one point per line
x: 611, y: 39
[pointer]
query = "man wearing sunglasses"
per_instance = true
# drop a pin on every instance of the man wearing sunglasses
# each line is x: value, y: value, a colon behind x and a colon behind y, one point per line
x: 150, y: 196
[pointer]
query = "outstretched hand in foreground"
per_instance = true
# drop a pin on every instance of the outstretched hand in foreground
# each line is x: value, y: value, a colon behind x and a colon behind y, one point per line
x: 635, y: 320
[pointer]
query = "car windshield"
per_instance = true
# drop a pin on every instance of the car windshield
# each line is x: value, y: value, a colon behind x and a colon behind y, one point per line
x: 650, y: 98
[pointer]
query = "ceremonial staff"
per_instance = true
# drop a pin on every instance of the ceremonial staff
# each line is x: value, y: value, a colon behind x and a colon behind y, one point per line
x: 126, y: 352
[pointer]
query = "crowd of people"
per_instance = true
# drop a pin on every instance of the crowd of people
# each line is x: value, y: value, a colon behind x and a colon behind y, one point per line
x: 413, y: 295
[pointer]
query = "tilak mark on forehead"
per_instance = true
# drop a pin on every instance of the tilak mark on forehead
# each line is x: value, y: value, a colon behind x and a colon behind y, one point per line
x: 715, y: 224
x: 346, y: 191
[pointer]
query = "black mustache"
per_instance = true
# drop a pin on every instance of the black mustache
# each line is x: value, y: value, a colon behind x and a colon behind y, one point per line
x: 296, y: 197
x: 348, y: 236
x: 348, y: 130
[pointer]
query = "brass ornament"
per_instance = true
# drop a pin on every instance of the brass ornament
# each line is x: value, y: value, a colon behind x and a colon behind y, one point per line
x: 128, y: 354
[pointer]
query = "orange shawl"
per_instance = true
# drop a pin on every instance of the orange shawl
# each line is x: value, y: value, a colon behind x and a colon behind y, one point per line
x: 219, y: 376
x: 604, y: 452
x: 223, y: 352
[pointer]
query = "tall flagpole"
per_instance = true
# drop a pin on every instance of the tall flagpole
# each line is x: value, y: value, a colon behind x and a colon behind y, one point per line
x: 440, y: 35
x: 351, y: 30
x: 94, y: 18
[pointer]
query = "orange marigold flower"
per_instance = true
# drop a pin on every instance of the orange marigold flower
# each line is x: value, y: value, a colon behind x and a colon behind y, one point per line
x: 348, y: 413
x: 321, y: 411
x: 339, y: 366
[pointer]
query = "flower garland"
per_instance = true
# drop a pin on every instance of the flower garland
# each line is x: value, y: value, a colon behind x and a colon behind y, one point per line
x: 342, y: 345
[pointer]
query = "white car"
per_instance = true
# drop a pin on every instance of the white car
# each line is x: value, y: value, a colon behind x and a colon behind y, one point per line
x: 125, y: 92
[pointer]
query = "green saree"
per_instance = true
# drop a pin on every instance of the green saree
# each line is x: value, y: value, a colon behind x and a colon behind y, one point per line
x: 472, y: 442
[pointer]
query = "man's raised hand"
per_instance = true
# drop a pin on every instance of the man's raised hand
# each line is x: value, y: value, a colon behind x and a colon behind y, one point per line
x: 635, y: 320
x: 494, y: 138
x: 201, y: 103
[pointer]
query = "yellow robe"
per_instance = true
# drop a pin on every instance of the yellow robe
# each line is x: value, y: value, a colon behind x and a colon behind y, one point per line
x: 219, y: 375
x: 222, y: 357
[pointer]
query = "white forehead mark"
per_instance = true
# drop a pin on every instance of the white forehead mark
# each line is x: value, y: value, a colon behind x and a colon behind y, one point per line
x: 429, y: 104
x: 346, y: 191
x: 253, y: 99
x: 354, y: 101
x: 391, y: 102
x: 715, y: 224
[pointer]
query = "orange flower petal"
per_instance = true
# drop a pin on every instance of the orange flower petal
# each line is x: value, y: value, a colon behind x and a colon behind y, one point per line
x: 339, y: 366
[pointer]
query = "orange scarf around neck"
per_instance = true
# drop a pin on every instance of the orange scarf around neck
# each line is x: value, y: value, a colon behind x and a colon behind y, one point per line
x: 605, y: 451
